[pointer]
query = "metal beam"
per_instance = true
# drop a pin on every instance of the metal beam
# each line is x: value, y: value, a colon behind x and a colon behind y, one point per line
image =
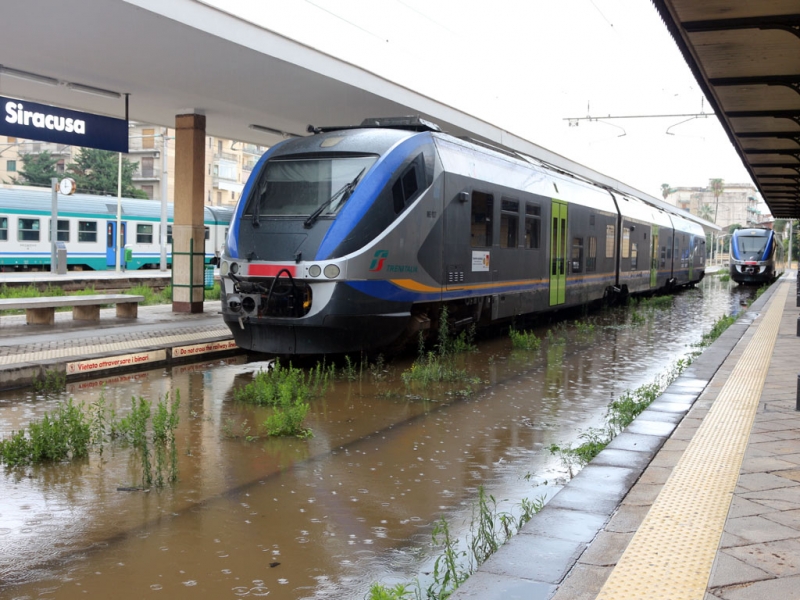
x: 790, y: 23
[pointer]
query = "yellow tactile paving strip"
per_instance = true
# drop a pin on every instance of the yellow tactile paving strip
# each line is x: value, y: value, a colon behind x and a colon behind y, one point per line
x: 671, y: 555
x: 90, y: 350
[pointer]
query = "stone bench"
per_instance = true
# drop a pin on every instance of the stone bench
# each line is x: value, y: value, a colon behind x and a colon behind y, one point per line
x: 42, y: 311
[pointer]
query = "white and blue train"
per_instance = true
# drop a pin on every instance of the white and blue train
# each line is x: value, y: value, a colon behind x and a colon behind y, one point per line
x: 87, y: 226
x: 756, y: 256
x: 354, y: 239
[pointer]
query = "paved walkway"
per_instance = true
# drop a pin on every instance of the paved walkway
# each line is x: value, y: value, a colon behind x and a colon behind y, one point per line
x: 698, y: 498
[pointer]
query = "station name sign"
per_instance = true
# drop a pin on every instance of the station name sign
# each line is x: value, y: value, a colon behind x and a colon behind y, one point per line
x: 41, y: 122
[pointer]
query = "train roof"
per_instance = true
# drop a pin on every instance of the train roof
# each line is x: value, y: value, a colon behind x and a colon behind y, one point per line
x: 413, y: 124
x: 22, y: 199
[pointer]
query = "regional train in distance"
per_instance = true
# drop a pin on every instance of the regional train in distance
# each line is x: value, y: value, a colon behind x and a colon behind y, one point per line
x: 87, y: 226
x: 756, y: 256
x: 354, y: 238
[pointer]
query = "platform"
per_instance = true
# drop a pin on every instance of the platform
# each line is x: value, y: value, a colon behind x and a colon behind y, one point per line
x: 82, y: 349
x: 698, y: 498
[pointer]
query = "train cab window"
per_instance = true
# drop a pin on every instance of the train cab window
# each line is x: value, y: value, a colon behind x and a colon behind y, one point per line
x: 28, y: 230
x: 144, y: 233
x: 576, y: 258
x: 407, y: 185
x: 62, y: 235
x: 591, y: 255
x: 482, y: 222
x: 626, y: 242
x: 533, y: 225
x: 509, y: 223
x: 634, y: 255
x: 3, y: 229
x: 87, y: 231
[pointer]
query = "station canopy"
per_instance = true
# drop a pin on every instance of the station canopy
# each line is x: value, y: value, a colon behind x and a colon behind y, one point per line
x: 745, y: 54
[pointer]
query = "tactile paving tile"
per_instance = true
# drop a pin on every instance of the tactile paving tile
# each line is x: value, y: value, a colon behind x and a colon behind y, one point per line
x: 671, y: 555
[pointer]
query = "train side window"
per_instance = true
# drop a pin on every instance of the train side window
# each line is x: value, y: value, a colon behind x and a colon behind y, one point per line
x: 62, y: 235
x: 207, y: 233
x: 533, y: 225
x: 663, y: 256
x: 610, y: 241
x: 576, y: 258
x: 591, y: 255
x: 169, y: 234
x: 3, y: 229
x: 509, y: 223
x: 407, y: 185
x: 28, y: 230
x: 87, y: 231
x: 481, y: 225
x: 144, y: 233
x: 634, y: 255
x: 626, y: 242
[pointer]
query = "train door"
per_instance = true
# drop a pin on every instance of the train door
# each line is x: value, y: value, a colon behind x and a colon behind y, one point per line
x: 654, y: 257
x: 112, y: 247
x: 558, y: 253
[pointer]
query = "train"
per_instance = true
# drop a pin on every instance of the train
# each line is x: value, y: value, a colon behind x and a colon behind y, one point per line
x: 353, y: 239
x: 87, y: 226
x: 756, y: 257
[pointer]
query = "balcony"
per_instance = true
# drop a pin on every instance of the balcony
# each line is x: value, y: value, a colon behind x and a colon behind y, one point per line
x: 146, y: 173
x: 40, y: 147
x: 226, y: 156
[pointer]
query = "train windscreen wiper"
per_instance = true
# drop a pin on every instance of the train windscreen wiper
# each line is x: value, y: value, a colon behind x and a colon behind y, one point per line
x: 344, y: 192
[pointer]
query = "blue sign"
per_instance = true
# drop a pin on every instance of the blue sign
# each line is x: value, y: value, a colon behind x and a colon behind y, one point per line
x: 32, y: 121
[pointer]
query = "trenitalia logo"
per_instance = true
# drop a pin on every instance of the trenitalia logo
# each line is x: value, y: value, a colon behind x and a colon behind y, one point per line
x: 377, y: 260
x: 44, y: 123
x: 15, y: 114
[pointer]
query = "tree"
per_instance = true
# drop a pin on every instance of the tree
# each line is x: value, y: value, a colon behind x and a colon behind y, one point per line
x: 95, y: 172
x: 666, y: 190
x: 716, y: 186
x: 705, y: 212
x: 38, y: 169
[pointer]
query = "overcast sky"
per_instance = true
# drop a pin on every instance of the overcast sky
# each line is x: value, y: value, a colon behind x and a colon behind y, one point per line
x: 526, y: 66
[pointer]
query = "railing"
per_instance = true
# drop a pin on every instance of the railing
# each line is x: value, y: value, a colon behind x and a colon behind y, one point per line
x: 153, y: 172
x: 39, y: 147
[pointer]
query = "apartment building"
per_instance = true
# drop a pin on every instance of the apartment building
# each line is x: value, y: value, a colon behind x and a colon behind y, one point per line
x: 738, y: 204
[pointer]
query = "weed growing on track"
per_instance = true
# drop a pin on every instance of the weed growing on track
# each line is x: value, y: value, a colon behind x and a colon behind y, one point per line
x: 621, y: 413
x: 286, y: 390
x: 488, y: 531
x: 53, y: 382
x: 524, y: 340
x: 438, y: 365
x: 71, y: 431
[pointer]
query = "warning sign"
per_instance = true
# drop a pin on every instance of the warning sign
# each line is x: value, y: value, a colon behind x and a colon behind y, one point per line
x: 184, y: 351
x: 114, y: 362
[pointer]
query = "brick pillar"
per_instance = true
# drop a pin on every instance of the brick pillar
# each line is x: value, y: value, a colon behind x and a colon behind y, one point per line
x: 187, y: 272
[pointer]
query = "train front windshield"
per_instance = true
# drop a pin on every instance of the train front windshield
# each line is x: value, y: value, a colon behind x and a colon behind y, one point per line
x: 750, y: 245
x: 300, y: 186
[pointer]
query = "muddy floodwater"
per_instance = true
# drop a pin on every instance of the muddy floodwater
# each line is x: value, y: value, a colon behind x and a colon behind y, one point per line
x: 323, y: 517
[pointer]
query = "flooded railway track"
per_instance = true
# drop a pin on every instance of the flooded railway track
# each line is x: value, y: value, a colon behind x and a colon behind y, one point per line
x: 323, y: 517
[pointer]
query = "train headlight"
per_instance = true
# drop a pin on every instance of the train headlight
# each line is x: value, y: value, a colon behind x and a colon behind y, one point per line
x: 234, y: 268
x: 331, y: 271
x: 314, y: 270
x: 223, y: 268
